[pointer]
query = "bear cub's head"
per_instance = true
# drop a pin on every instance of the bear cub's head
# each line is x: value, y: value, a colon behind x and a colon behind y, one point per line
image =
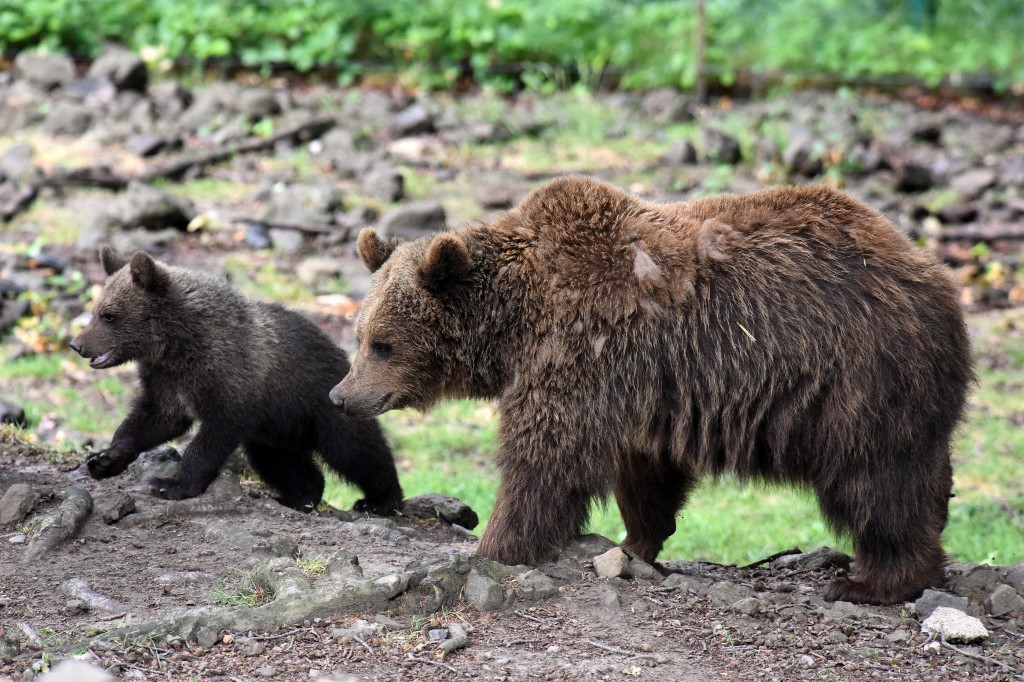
x: 120, y: 329
x: 409, y: 326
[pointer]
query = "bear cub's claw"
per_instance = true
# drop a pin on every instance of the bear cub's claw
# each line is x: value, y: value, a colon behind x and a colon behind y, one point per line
x: 107, y: 463
x: 377, y: 507
x: 169, y: 489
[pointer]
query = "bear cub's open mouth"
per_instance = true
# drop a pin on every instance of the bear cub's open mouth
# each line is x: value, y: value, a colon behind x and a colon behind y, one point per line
x: 100, y: 359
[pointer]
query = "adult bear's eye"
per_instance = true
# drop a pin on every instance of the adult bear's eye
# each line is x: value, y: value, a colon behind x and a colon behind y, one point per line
x: 381, y: 350
x: 107, y: 317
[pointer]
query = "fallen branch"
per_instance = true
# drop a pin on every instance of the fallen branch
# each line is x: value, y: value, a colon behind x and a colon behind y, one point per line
x: 427, y: 660
x: 61, y: 525
x: 773, y: 557
x: 977, y: 657
x: 313, y: 228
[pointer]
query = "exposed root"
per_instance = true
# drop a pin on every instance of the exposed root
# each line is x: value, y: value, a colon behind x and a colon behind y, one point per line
x: 61, y: 525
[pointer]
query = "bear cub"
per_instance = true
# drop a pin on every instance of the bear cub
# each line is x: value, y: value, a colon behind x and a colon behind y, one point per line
x: 791, y: 335
x: 252, y: 374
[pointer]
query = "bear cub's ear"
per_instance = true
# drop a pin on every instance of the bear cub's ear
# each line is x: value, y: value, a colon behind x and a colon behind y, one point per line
x: 146, y: 274
x: 447, y: 262
x: 373, y: 250
x: 112, y: 262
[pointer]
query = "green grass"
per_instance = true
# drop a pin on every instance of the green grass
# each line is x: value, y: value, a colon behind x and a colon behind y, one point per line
x: 451, y: 451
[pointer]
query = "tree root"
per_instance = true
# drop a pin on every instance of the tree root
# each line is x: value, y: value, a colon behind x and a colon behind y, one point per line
x: 61, y: 525
x: 79, y: 589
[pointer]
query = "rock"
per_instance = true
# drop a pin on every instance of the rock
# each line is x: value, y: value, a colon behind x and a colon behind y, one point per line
x: 209, y: 108
x: 534, y: 585
x: 974, y: 582
x: 483, y: 593
x: 149, y: 208
x: 304, y: 203
x: 385, y: 184
x: 933, y: 599
x: 612, y: 564
x: 117, y: 508
x: 666, y: 105
x: 17, y: 502
x: 1015, y: 577
x: 359, y: 628
x: 607, y: 596
x: 844, y: 609
x: 130, y: 241
x: 249, y: 645
x: 437, y: 634
x: 807, y: 661
x: 641, y: 569
x: 169, y: 99
x: 973, y: 183
x: 912, y: 176
x: 10, y: 644
x: 266, y: 671
x: 68, y: 118
x: 954, y: 626
x: 316, y: 271
x: 958, y: 213
x: 680, y: 153
x: 11, y: 414
x: 801, y: 156
x: 123, y: 68
x: 73, y: 670
x: 448, y: 509
x: 691, y: 583
x: 413, y: 120
x: 496, y: 197
x: 257, y: 103
x: 10, y: 313
x: 287, y: 241
x: 728, y: 593
x: 1004, y: 601
x: 748, y: 606
x: 818, y: 559
x: 898, y: 636
x: 719, y: 147
x: 414, y: 220
x: 46, y: 71
x: 16, y: 164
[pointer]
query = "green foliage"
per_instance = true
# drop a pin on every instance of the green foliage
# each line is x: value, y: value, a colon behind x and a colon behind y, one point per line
x: 543, y: 45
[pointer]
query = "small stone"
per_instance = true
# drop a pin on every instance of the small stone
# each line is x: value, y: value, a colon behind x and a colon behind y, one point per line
x: 725, y: 592
x: 482, y: 592
x: 898, y: 636
x: 16, y: 503
x: 719, y: 147
x: 266, y: 671
x: 1005, y: 601
x: 806, y: 661
x: 437, y: 634
x: 287, y: 241
x: 1015, y: 577
x: 612, y: 564
x: 207, y: 637
x: 838, y: 637
x: 691, y: 583
x: 318, y: 271
x: 18, y: 539
x: 748, y: 606
x: 641, y: 569
x: 257, y: 103
x: 121, y: 67
x: 973, y: 183
x: 666, y: 105
x: 414, y: 120
x: 385, y: 184
x: 954, y: 626
x: 932, y: 599
x: 679, y: 153
x: 146, y: 144
x: 68, y: 118
x: 848, y: 610
x: 249, y: 646
x: 119, y: 507
x: 608, y: 596
x: 389, y: 623
x: 535, y: 585
x: 912, y: 176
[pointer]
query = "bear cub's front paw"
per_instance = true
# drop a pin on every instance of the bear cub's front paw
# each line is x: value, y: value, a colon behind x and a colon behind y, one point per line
x: 109, y: 462
x: 169, y: 489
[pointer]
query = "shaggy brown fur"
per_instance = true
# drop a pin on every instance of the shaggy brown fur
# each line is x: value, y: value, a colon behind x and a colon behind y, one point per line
x: 254, y: 374
x: 789, y: 335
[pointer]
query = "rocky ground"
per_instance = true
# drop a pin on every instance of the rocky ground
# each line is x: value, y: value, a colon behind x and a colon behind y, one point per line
x: 268, y: 182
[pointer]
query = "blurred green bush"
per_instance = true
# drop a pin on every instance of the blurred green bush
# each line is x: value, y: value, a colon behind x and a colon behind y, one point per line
x: 630, y: 43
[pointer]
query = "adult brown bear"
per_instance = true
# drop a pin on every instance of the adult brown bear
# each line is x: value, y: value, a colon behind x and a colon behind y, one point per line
x: 789, y: 335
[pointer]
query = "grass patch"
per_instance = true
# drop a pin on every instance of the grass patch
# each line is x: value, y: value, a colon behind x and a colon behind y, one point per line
x: 239, y: 590
x: 265, y: 281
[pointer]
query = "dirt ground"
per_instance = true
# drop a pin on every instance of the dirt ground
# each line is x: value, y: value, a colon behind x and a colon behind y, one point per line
x: 158, y: 560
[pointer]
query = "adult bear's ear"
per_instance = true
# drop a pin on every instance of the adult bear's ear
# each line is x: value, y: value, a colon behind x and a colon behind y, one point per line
x: 112, y: 262
x: 146, y: 273
x: 447, y: 262
x: 374, y: 250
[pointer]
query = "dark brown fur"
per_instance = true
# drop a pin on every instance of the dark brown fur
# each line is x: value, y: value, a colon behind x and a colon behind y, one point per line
x: 790, y: 335
x: 255, y: 375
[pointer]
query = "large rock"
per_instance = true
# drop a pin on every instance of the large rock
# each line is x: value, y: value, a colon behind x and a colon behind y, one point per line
x: 719, y: 147
x: 933, y: 599
x: 612, y: 564
x: 46, y: 71
x: 414, y: 220
x: 482, y: 592
x: 666, y: 105
x: 954, y: 626
x: 1004, y: 601
x: 448, y: 509
x: 123, y: 68
x: 415, y: 119
x: 17, y: 502
x: 972, y: 581
x: 384, y: 184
